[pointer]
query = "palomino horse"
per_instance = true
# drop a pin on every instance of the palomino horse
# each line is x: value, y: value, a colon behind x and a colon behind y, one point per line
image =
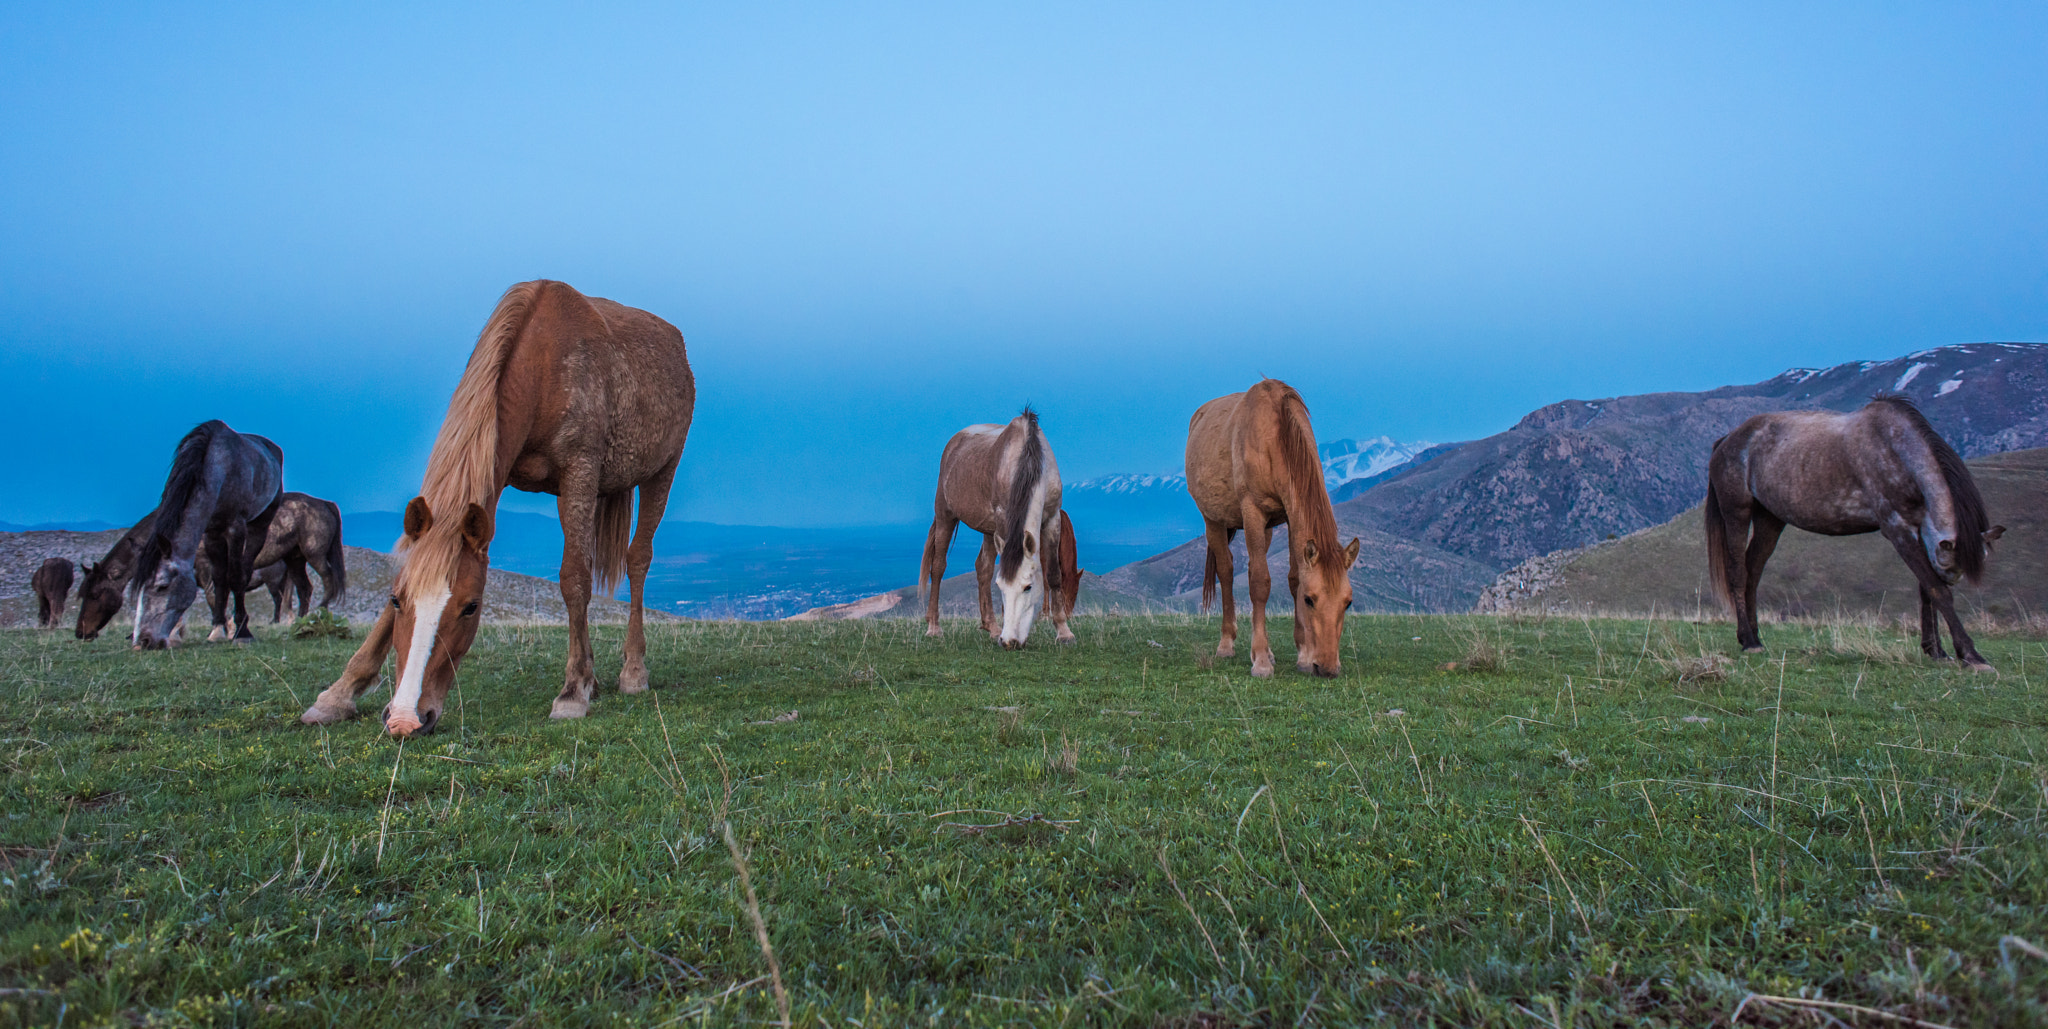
x: 220, y: 482
x: 1003, y: 482
x: 576, y: 396
x: 305, y: 530
x: 1879, y: 469
x: 1252, y: 465
x: 52, y: 583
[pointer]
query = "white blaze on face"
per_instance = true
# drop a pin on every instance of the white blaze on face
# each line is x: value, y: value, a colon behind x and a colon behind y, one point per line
x: 1020, y: 604
x: 426, y: 621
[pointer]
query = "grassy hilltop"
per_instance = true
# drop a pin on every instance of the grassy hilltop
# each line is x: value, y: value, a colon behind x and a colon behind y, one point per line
x: 1575, y: 823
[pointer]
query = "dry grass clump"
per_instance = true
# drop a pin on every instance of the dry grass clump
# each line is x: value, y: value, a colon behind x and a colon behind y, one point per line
x: 1867, y: 645
x: 1693, y: 669
x: 1485, y: 652
x: 1064, y: 763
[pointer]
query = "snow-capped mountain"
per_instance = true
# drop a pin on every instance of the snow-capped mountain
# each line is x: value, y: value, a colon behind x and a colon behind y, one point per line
x: 1345, y: 460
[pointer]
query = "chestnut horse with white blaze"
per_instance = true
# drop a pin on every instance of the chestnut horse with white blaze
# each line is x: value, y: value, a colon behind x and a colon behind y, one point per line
x: 1003, y: 482
x: 576, y: 396
x: 1252, y: 465
x: 1879, y: 469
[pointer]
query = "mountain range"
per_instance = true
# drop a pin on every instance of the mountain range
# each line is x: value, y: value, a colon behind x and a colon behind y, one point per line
x: 1441, y: 527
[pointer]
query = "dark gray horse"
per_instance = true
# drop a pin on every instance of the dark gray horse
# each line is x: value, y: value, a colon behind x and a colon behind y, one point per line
x: 52, y: 583
x: 221, y: 481
x: 1879, y: 469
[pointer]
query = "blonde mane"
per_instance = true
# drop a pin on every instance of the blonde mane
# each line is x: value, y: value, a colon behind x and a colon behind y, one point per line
x: 463, y: 469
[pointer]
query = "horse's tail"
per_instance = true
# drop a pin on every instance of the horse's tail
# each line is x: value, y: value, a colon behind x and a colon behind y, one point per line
x: 188, y: 464
x: 1717, y: 545
x: 612, y: 535
x: 1070, y: 564
x: 334, y: 578
x: 1209, y: 576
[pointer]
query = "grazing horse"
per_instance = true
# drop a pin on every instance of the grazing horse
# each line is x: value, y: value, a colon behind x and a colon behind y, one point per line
x: 101, y: 589
x: 1881, y: 469
x: 576, y: 396
x: 304, y: 530
x: 1252, y: 465
x: 221, y: 481
x: 52, y: 583
x: 1003, y: 482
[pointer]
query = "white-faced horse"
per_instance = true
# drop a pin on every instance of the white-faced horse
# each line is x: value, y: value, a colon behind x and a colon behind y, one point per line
x: 1003, y: 482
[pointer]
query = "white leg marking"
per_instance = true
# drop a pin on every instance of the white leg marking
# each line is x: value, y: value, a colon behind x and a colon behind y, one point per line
x: 425, y: 625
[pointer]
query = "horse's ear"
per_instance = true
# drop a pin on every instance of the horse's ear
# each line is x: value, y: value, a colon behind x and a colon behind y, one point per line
x: 1030, y: 544
x: 1308, y: 552
x: 1992, y: 534
x: 1351, y: 553
x: 418, y: 519
x: 477, y: 528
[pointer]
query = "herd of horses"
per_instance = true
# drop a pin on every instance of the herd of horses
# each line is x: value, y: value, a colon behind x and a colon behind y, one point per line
x: 590, y: 400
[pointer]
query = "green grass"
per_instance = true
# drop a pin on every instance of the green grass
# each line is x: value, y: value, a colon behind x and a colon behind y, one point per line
x: 1570, y: 837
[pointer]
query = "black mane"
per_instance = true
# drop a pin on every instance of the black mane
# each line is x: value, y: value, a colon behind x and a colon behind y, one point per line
x: 1023, y: 484
x: 186, y: 467
x: 1971, y: 519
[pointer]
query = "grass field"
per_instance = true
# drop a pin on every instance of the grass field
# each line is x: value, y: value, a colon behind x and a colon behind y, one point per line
x: 1582, y: 823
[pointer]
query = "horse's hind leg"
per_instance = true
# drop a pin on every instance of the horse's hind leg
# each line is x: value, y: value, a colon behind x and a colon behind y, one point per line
x: 578, y: 509
x: 639, y: 557
x: 1219, y: 557
x: 937, y: 540
x: 985, y: 573
x: 216, y: 550
x: 295, y: 575
x: 1765, y: 528
x: 338, y: 702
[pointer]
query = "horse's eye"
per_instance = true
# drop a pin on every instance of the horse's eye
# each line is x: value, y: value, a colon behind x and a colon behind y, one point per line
x: 469, y: 609
x: 1347, y: 605
x: 1311, y: 601
x: 394, y: 600
x: 1027, y: 589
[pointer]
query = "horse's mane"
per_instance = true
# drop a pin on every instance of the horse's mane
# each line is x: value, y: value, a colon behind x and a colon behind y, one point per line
x: 1024, y: 483
x: 463, y: 469
x: 1304, y: 468
x: 186, y: 465
x: 1971, y: 519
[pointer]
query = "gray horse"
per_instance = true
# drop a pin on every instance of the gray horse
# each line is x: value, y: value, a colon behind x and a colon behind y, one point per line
x: 1879, y: 469
x: 221, y: 481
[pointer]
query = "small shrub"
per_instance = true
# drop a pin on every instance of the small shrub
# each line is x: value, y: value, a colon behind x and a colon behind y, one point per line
x: 1484, y: 653
x: 1066, y: 762
x: 322, y: 624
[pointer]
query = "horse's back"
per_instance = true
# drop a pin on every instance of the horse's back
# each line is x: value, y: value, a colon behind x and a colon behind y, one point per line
x: 1209, y: 466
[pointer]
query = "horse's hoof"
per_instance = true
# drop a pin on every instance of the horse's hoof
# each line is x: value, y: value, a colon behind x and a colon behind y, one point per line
x: 1262, y: 669
x: 1980, y: 666
x: 933, y: 632
x: 1226, y: 650
x: 633, y: 682
x: 1066, y: 637
x: 566, y: 707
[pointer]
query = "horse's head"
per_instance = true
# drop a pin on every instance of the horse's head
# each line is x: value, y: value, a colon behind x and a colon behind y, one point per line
x: 99, y: 600
x: 1322, y: 595
x: 165, y: 596
x: 1018, y: 581
x: 435, y: 605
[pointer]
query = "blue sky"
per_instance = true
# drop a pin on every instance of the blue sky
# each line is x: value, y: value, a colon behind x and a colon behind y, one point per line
x: 877, y: 223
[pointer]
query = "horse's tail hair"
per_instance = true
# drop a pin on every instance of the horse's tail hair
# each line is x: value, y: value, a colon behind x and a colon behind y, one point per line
x: 1209, y: 577
x: 612, y: 534
x: 1070, y: 564
x: 1717, y: 546
x: 187, y: 465
x: 334, y: 580
x: 1023, y: 490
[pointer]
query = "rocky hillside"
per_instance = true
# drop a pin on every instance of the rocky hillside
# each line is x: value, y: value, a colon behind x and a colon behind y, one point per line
x: 1574, y: 472
x: 508, y: 598
x: 1664, y: 568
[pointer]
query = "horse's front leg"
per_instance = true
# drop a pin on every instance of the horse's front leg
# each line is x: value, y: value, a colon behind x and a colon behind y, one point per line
x: 1257, y: 537
x: 338, y: 702
x: 1930, y: 630
x: 1966, y: 649
x: 984, y: 575
x: 578, y: 508
x: 215, y: 550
